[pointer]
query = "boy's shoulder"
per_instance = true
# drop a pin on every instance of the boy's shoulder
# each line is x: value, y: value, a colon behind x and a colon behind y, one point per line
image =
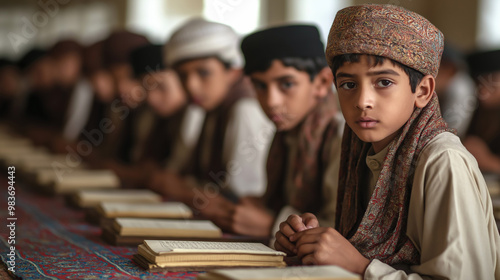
x: 445, y: 154
x: 445, y: 143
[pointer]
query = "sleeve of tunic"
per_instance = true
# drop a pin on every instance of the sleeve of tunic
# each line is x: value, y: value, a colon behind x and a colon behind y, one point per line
x: 248, y: 136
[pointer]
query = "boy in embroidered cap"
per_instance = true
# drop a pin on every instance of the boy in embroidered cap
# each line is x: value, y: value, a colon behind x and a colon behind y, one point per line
x: 412, y: 202
x: 288, y: 69
x: 230, y: 154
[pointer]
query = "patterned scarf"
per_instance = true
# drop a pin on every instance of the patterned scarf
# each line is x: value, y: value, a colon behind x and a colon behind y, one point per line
x: 315, y: 133
x: 380, y: 231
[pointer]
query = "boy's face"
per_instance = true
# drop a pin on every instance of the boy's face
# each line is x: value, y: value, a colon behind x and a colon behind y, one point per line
x: 286, y: 94
x: 206, y: 81
x: 165, y: 93
x: 376, y: 101
x: 68, y: 68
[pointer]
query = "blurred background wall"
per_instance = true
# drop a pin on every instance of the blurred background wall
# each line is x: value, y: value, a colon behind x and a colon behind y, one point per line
x: 26, y: 23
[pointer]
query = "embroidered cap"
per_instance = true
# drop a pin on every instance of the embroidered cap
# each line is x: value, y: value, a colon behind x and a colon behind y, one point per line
x: 389, y: 31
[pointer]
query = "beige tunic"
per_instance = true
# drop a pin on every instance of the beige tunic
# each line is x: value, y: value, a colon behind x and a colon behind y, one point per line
x: 246, y: 144
x: 450, y: 219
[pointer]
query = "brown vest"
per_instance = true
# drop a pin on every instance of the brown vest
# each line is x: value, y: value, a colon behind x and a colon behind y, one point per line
x: 161, y: 141
x: 241, y: 89
x: 316, y: 134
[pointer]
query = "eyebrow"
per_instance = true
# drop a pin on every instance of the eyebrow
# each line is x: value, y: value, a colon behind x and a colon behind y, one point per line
x: 274, y: 79
x: 370, y: 73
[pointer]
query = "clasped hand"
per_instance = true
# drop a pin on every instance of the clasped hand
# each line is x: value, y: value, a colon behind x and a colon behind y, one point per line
x: 314, y: 245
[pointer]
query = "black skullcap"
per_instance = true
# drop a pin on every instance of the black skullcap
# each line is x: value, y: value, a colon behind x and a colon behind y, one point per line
x: 146, y: 59
x: 31, y: 57
x: 484, y: 62
x: 297, y: 41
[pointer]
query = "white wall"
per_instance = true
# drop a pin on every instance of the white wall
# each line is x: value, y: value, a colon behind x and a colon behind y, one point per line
x: 319, y: 12
x: 24, y: 27
x: 488, y: 33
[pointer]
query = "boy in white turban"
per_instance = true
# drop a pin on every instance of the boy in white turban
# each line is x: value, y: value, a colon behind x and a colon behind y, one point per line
x: 229, y: 159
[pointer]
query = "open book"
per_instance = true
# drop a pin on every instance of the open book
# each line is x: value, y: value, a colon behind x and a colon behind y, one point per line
x: 199, y: 255
x: 49, y: 162
x: 76, y: 180
x: 144, y: 210
x: 18, y: 155
x: 165, y: 228
x: 319, y: 272
x: 91, y: 198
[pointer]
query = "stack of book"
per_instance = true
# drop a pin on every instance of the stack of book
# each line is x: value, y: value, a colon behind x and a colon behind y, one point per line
x: 66, y: 182
x: 106, y: 211
x: 169, y: 255
x: 92, y: 198
x: 117, y: 203
x: 133, y: 231
x: 172, y: 210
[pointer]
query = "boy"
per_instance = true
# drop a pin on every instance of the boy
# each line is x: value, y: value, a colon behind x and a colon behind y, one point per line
x: 170, y: 140
x: 412, y: 203
x: 130, y: 119
x: 483, y: 136
x: 233, y: 143
x: 289, y: 72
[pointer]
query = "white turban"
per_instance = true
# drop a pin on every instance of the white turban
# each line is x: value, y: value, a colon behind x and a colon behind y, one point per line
x: 200, y: 38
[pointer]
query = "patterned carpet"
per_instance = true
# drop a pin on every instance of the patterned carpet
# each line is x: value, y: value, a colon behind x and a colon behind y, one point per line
x: 54, y: 242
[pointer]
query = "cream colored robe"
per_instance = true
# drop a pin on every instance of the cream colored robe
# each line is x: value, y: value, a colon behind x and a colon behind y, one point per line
x: 450, y: 219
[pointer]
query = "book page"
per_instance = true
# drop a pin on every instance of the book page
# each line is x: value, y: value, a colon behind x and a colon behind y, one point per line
x: 171, y: 246
x: 295, y: 272
x: 176, y: 209
x: 141, y: 223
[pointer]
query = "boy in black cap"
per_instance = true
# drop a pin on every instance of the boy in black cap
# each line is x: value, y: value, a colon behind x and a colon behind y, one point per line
x: 288, y: 69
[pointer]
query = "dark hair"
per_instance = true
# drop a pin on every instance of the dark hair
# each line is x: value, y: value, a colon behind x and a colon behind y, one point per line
x: 414, y: 75
x: 226, y: 64
x: 311, y: 65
